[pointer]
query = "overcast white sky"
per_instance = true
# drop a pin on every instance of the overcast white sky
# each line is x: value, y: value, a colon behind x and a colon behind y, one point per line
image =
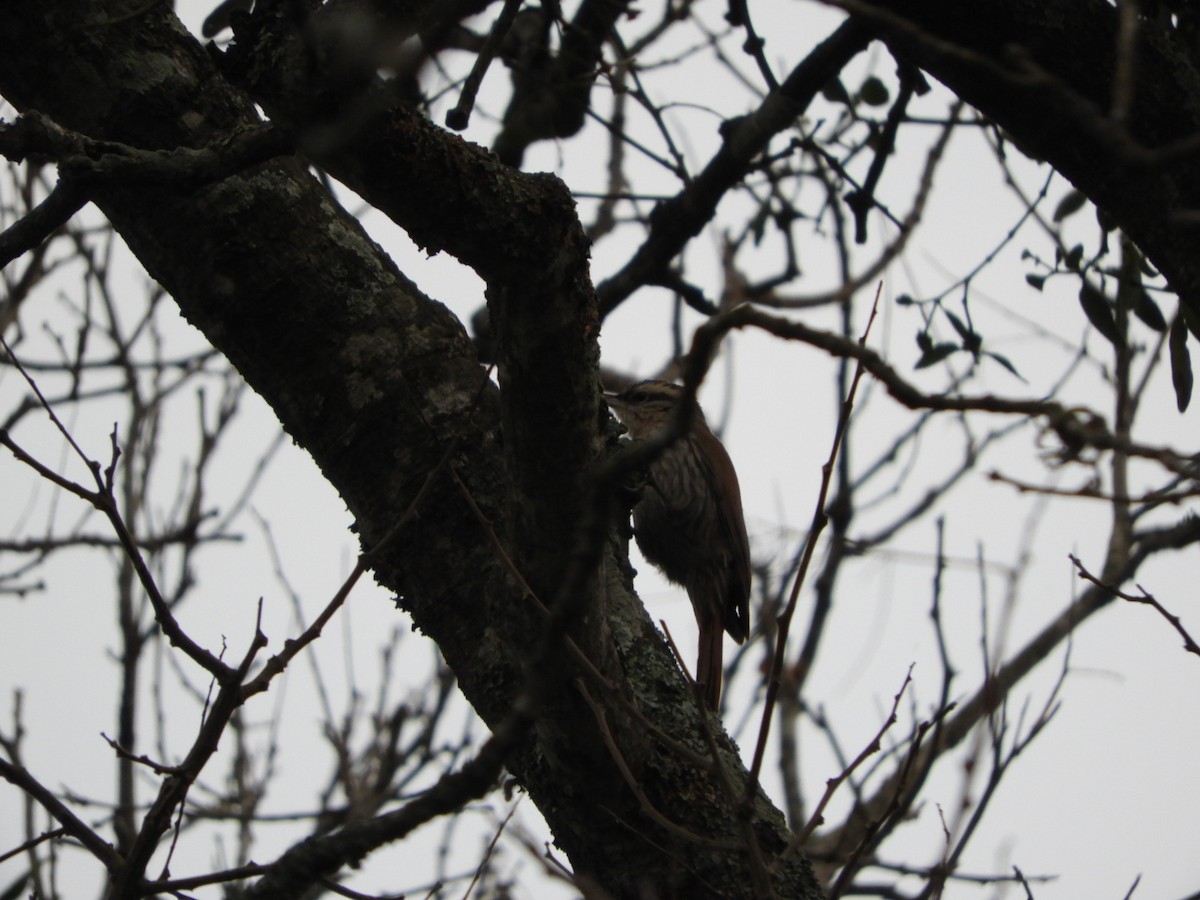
x: 1107, y: 794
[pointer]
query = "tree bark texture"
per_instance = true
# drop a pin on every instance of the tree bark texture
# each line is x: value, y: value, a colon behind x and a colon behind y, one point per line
x: 381, y: 385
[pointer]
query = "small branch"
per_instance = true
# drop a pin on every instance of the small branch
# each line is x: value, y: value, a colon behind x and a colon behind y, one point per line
x: 292, y: 646
x: 1076, y: 427
x: 676, y: 220
x: 21, y: 778
x: 307, y: 861
x: 832, y: 784
x: 862, y: 200
x: 142, y: 759
x: 820, y: 518
x: 739, y: 14
x: 28, y: 845
x: 899, y: 800
x: 66, y: 199
x: 104, y: 500
x: 460, y: 116
x: 1189, y: 644
x: 84, y: 160
x: 1091, y: 491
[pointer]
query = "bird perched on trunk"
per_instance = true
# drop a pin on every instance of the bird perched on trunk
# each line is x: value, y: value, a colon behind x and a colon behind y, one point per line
x: 689, y: 522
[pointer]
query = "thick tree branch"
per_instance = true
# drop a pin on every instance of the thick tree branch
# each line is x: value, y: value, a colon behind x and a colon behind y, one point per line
x: 376, y: 381
x: 1033, y: 69
x: 676, y: 221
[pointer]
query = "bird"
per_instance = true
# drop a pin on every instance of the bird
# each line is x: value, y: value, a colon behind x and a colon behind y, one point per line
x: 689, y: 523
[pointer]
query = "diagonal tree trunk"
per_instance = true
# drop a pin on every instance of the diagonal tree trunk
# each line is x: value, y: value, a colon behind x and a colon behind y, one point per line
x: 381, y: 385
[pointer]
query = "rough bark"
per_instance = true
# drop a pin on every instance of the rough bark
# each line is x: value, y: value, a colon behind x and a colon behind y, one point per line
x: 380, y: 384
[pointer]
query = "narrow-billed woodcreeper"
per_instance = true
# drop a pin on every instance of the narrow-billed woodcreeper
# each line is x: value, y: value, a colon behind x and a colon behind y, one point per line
x: 689, y: 522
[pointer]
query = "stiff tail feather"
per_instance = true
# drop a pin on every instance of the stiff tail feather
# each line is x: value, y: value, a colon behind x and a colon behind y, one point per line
x: 709, y: 665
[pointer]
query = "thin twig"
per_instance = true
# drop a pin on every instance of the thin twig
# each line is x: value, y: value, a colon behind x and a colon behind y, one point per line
x: 1189, y: 643
x: 820, y: 518
x: 832, y: 784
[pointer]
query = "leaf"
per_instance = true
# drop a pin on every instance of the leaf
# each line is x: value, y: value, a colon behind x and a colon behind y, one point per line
x: 924, y: 341
x: 1147, y: 310
x: 936, y: 354
x: 971, y: 340
x: 1105, y: 220
x: 1035, y: 281
x: 1004, y: 361
x: 1191, y: 318
x: 1096, y: 308
x: 1074, y: 257
x: 905, y: 300
x: 1181, y: 364
x: 1071, y: 203
x: 873, y: 92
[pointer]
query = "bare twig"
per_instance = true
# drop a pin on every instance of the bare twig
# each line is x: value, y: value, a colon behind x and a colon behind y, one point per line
x: 1189, y: 643
x: 818, y: 523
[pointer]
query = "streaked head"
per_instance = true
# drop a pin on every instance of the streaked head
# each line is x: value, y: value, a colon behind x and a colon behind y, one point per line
x: 645, y: 407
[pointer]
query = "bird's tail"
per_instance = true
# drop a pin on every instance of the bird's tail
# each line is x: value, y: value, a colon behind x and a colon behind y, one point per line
x: 709, y: 665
